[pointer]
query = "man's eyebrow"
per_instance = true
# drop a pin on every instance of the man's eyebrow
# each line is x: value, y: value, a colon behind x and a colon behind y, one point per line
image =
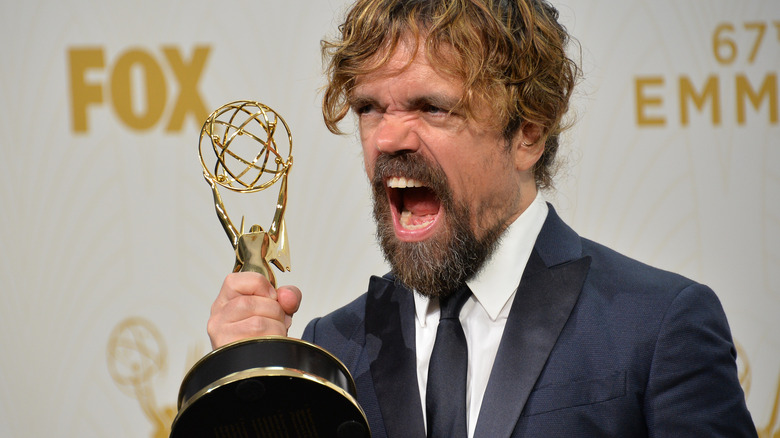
x: 443, y: 101
x: 359, y: 101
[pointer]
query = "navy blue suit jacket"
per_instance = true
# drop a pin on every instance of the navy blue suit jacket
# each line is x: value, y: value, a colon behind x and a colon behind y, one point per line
x: 596, y: 345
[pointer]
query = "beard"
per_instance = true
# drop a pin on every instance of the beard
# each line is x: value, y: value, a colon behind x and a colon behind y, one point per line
x: 437, y: 266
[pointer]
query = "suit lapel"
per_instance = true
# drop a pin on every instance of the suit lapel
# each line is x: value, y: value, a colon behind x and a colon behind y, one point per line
x: 542, y: 305
x: 390, y: 344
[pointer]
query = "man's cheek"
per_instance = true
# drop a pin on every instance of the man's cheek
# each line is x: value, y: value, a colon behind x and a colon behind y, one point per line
x: 369, y: 161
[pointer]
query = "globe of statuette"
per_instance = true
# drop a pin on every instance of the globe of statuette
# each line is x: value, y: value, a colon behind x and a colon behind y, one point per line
x: 245, y: 146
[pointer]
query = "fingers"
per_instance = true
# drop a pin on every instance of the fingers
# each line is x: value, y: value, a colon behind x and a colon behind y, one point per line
x: 245, y: 283
x: 248, y: 306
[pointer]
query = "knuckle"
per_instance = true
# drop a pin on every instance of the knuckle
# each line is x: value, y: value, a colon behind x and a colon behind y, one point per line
x: 229, y: 281
x: 213, y: 327
x: 264, y: 326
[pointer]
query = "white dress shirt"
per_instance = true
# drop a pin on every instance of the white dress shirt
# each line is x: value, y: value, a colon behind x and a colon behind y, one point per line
x: 484, y: 315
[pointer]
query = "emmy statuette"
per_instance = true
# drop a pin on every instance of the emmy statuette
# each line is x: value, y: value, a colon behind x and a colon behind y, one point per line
x: 267, y: 386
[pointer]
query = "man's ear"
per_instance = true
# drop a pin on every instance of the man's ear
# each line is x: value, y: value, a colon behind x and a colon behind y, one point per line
x: 528, y: 145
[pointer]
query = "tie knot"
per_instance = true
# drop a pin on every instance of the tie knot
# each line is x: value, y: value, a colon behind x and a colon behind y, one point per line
x: 451, y: 305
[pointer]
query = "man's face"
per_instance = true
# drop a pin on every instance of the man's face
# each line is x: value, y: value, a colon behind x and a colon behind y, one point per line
x: 445, y: 186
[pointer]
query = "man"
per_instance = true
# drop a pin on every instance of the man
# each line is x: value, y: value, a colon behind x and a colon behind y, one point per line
x: 459, y: 104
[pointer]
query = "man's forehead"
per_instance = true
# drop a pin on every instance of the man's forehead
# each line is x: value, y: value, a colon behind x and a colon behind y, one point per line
x: 407, y: 52
x: 408, y: 72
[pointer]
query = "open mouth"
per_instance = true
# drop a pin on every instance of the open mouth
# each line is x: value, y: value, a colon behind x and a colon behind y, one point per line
x: 415, y: 207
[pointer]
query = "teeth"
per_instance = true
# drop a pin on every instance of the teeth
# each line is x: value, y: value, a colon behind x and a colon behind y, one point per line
x: 399, y: 182
x: 406, y: 216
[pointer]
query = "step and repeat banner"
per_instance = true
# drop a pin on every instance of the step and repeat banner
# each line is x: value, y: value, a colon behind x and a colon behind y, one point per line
x: 112, y: 252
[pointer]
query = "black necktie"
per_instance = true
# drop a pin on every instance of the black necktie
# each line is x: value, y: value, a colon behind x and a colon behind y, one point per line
x: 445, y: 399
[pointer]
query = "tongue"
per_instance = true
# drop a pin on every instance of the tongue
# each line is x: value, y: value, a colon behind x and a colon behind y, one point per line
x: 420, y: 201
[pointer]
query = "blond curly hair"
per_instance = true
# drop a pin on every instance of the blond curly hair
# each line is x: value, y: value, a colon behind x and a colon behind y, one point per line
x: 509, y: 54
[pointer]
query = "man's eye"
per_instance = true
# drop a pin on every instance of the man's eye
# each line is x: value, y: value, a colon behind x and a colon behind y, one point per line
x: 433, y: 109
x: 363, y: 109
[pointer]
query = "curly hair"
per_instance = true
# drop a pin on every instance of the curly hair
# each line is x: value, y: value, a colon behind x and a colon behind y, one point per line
x: 509, y: 54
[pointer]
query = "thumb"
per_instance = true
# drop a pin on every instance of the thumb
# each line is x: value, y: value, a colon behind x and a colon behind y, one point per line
x: 289, y: 297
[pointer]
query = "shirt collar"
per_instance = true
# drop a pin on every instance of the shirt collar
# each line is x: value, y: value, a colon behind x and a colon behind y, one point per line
x: 498, y: 279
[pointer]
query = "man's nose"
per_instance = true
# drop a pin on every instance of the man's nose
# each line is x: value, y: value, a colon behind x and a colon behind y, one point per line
x: 395, y: 135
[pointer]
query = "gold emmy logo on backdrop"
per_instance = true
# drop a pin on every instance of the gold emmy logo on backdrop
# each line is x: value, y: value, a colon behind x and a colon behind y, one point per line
x: 268, y: 386
x: 136, y: 354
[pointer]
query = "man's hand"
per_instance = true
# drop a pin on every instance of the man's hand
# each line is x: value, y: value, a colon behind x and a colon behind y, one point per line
x: 248, y: 306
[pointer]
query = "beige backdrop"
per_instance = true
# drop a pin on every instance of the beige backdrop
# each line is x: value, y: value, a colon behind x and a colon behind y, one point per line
x: 112, y: 254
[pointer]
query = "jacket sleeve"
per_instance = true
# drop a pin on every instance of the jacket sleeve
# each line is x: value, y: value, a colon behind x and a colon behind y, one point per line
x: 308, y: 332
x: 693, y: 387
